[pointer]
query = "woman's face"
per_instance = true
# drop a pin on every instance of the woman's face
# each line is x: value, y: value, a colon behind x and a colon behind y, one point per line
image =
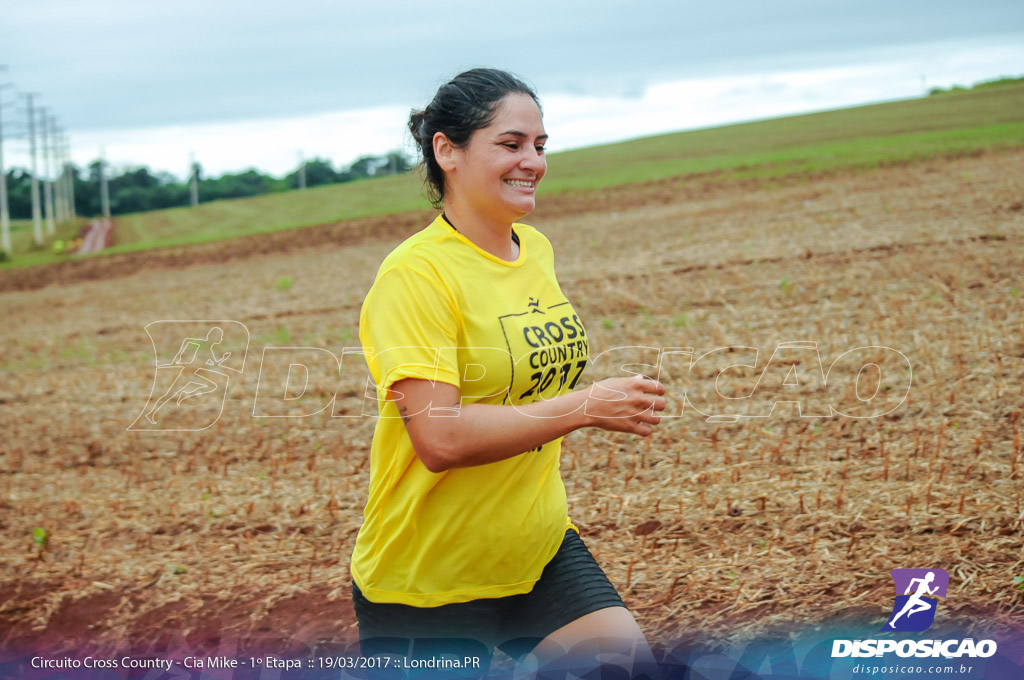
x: 496, y: 174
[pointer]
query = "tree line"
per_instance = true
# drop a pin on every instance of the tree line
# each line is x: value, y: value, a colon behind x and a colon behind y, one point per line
x: 137, y: 189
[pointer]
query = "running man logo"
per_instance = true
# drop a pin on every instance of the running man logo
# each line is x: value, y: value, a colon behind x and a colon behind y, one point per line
x: 194, y: 363
x: 917, y: 593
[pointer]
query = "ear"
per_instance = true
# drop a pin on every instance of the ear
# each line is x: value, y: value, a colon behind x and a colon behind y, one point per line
x: 444, y: 151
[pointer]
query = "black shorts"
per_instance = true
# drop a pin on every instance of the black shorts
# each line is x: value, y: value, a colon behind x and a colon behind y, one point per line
x: 571, y: 585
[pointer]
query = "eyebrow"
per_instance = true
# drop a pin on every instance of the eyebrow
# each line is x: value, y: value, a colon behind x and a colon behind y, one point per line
x: 517, y: 133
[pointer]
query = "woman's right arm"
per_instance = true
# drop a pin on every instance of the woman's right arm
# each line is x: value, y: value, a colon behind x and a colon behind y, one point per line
x: 448, y: 434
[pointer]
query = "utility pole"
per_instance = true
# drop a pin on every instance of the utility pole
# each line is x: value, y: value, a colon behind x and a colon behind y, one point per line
x: 44, y: 123
x: 5, y: 215
x: 69, y: 169
x: 194, y: 180
x: 104, y: 191
x: 58, y: 177
x: 302, y: 171
x: 58, y: 183
x: 37, y: 226
x: 60, y: 195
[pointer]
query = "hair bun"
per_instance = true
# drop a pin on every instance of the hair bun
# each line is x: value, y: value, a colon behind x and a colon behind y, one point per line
x: 416, y: 122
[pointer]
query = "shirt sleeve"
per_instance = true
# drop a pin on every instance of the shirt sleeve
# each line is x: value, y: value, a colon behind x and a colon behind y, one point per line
x: 409, y: 328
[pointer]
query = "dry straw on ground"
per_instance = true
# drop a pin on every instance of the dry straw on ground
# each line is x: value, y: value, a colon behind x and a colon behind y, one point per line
x: 711, y: 530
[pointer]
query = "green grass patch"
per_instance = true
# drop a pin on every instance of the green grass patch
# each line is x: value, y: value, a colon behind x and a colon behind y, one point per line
x: 24, y: 248
x: 273, y: 212
x: 956, y: 89
x: 281, y: 337
x: 682, y: 320
x: 863, y: 153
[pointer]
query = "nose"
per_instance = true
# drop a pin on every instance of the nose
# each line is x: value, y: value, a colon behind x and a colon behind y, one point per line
x: 534, y: 161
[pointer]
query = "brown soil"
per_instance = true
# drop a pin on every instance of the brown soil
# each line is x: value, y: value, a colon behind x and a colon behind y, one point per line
x: 238, y: 536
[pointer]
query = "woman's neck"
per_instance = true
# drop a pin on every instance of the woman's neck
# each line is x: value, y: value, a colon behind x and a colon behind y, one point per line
x: 493, y: 237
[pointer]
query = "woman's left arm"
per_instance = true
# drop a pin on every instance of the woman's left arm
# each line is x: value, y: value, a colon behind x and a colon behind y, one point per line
x: 448, y: 434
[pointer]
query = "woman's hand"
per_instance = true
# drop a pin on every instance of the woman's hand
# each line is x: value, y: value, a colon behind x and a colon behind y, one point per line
x: 625, y: 404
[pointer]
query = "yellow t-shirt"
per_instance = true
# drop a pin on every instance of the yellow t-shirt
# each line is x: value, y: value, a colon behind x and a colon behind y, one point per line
x: 443, y: 309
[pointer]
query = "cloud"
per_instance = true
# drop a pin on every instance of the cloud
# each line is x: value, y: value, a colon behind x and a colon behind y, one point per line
x: 248, y: 83
x: 122, y: 63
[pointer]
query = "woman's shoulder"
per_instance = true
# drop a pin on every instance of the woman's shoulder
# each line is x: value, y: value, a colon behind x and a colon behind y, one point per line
x: 419, y: 250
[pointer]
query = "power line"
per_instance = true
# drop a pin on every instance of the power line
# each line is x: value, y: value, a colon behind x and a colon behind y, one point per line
x: 44, y: 136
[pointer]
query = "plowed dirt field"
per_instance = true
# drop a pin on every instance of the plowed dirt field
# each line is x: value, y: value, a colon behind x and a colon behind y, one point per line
x: 241, y: 533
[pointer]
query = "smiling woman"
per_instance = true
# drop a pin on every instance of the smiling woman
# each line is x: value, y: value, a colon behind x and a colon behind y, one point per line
x: 496, y: 173
x: 476, y: 354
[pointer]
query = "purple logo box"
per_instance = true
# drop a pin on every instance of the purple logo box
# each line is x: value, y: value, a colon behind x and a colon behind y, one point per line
x: 939, y: 580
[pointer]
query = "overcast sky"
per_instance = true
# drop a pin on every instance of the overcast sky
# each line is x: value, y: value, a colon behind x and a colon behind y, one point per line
x: 250, y: 83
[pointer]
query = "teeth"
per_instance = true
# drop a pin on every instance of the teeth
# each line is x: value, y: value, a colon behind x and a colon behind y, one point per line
x: 518, y: 183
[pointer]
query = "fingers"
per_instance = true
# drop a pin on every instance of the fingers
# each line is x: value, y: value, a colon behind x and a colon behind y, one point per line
x: 621, y: 388
x: 627, y: 404
x: 643, y: 428
x: 653, y: 399
x: 651, y: 385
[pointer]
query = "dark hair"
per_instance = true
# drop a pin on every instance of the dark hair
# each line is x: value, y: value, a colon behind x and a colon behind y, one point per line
x: 463, y: 105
